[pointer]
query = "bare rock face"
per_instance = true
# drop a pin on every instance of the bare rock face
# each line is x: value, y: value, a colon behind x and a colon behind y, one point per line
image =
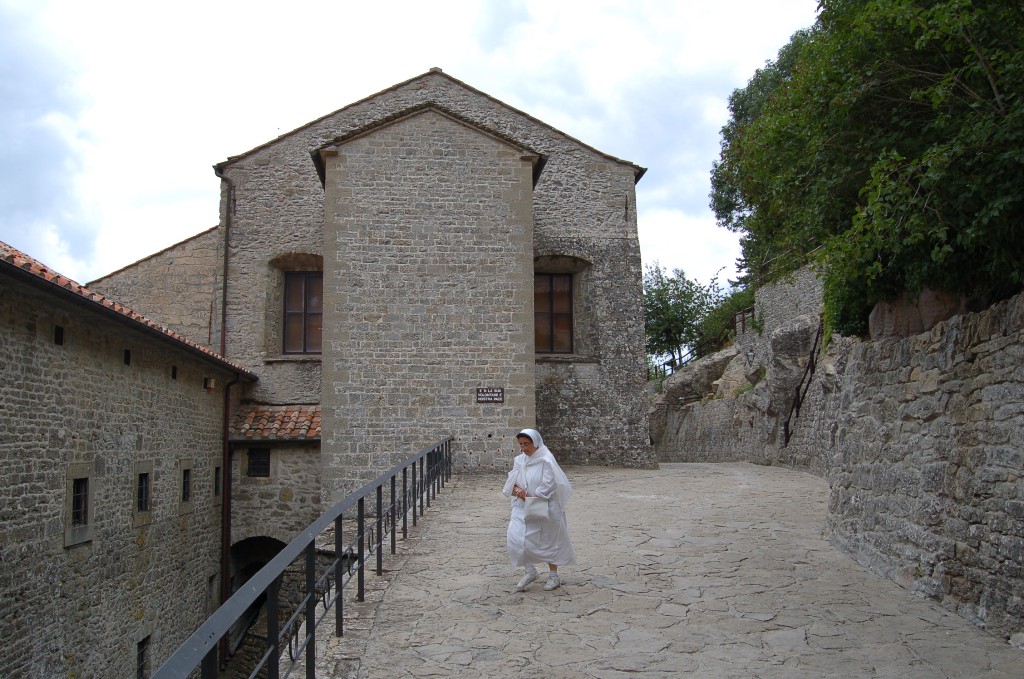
x: 790, y: 348
x: 906, y: 317
x: 698, y: 379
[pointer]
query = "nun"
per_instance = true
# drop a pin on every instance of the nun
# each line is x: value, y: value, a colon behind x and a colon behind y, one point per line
x: 538, y: 531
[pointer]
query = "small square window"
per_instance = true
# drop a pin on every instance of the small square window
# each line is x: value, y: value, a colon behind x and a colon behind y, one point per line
x: 259, y: 462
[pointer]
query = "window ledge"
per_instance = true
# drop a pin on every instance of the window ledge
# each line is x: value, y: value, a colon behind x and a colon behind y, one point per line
x: 295, y: 358
x: 565, y: 358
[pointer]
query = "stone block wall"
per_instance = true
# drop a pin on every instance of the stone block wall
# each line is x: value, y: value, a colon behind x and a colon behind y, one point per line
x: 430, y: 232
x: 280, y: 505
x: 174, y: 287
x: 78, y: 410
x: 928, y: 476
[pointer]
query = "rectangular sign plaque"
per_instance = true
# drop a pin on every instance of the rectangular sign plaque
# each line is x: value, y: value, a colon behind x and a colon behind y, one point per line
x: 490, y: 395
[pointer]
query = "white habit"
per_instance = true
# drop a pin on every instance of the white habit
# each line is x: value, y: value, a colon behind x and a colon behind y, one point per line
x: 533, y: 541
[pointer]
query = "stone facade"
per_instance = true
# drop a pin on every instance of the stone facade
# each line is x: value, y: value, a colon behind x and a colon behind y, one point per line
x: 429, y: 207
x: 281, y: 504
x: 89, y: 392
x: 920, y: 439
x: 166, y: 285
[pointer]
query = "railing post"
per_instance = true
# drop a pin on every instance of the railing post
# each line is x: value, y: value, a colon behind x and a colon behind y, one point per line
x: 380, y: 528
x: 209, y: 667
x: 412, y: 497
x: 311, y: 610
x: 339, y: 554
x: 394, y: 546
x: 423, y: 461
x: 405, y: 502
x: 361, y: 590
x: 273, y: 633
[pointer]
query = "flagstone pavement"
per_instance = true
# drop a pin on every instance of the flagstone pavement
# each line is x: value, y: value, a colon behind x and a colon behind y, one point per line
x: 710, y: 570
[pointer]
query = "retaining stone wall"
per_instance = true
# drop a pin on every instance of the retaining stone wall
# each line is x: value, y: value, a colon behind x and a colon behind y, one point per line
x: 921, y: 439
x: 928, y: 477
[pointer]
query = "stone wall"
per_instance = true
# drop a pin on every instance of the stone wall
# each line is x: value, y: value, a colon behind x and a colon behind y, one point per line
x: 927, y: 482
x: 920, y: 439
x: 78, y: 410
x: 280, y: 505
x: 174, y: 287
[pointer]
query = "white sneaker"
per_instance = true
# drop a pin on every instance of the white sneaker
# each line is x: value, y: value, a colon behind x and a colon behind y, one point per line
x: 554, y: 582
x: 526, y: 580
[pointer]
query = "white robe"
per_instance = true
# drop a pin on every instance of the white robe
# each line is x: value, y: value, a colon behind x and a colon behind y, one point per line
x: 533, y: 541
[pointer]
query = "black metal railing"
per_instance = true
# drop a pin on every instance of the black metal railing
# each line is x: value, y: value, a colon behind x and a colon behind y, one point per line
x: 800, y: 392
x: 430, y: 469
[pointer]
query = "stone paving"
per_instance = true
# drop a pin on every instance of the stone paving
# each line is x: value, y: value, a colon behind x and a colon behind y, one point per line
x: 714, y: 570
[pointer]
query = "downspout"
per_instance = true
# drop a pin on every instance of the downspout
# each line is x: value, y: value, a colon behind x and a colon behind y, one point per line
x: 225, y: 506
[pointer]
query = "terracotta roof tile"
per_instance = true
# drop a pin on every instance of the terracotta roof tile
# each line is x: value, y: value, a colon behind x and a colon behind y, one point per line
x: 17, y: 259
x: 277, y: 422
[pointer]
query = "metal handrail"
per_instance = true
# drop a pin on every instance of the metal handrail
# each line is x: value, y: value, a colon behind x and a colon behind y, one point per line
x: 431, y: 469
x: 801, y: 388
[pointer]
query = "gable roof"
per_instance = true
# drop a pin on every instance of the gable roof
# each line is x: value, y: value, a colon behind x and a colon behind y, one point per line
x: 318, y: 153
x: 21, y: 267
x: 638, y: 171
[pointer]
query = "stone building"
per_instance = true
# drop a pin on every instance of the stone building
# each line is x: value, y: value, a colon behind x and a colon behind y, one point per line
x: 111, y: 441
x: 426, y: 262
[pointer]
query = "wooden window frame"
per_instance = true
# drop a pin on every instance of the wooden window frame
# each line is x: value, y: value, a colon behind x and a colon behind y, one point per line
x: 550, y: 312
x: 307, y: 315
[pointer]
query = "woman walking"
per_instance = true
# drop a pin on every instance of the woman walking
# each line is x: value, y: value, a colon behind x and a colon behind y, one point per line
x: 544, y: 539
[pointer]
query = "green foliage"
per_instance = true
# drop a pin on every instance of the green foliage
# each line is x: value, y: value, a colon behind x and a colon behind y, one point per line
x: 716, y: 327
x: 887, y: 144
x: 675, y: 307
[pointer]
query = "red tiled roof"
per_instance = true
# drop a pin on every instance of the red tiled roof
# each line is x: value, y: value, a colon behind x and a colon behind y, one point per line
x: 42, y: 275
x: 280, y: 423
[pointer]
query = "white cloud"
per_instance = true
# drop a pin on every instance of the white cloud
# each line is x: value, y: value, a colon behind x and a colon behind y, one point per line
x: 693, y: 244
x: 169, y: 90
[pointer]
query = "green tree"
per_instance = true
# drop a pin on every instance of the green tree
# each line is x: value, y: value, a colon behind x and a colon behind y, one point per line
x: 675, y: 307
x: 887, y: 142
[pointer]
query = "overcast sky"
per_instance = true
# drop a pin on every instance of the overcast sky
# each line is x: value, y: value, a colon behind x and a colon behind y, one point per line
x: 112, y: 114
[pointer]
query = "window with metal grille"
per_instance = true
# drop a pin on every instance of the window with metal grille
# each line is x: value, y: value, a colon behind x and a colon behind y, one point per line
x: 142, y: 492
x: 259, y: 462
x: 552, y: 313
x: 142, y: 660
x: 80, y: 502
x: 303, y: 312
x: 186, y: 485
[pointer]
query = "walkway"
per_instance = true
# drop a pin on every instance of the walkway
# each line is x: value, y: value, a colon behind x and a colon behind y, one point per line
x: 719, y: 570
